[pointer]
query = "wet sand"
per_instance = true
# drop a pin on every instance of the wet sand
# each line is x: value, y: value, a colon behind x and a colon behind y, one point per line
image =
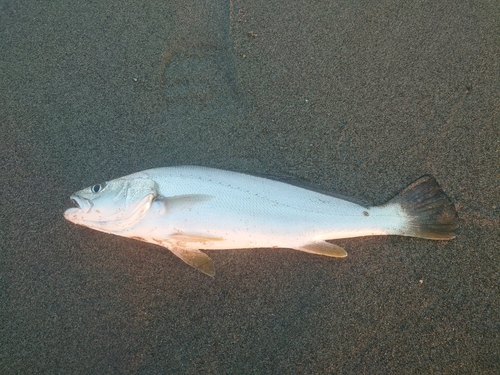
x: 356, y: 98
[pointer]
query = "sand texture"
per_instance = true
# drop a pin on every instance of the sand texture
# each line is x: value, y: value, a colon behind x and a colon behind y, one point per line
x: 355, y: 97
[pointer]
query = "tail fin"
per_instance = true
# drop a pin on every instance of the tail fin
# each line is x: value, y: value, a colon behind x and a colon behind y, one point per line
x: 430, y: 212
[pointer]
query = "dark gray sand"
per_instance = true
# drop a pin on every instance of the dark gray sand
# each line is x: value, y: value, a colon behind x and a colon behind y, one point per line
x: 356, y: 97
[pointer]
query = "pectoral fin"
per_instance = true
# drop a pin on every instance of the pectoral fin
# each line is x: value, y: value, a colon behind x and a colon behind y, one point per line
x: 324, y: 248
x: 182, y: 202
x: 195, y: 258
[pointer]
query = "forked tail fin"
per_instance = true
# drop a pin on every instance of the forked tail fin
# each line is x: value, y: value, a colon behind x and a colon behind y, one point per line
x: 430, y: 212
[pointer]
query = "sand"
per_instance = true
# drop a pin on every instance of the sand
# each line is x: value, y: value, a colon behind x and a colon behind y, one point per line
x: 358, y: 98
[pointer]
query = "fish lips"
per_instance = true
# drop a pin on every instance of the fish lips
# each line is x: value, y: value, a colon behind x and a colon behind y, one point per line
x: 83, y: 206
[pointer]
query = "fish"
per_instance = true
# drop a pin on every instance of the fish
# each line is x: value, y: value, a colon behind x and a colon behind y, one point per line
x: 187, y: 209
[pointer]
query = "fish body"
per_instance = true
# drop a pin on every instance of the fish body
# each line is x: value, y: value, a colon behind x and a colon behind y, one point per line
x: 189, y: 208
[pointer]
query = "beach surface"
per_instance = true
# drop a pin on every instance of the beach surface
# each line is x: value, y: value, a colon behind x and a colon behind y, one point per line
x: 359, y: 98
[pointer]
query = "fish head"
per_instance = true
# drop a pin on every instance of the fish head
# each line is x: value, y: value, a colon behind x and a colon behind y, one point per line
x: 113, y: 206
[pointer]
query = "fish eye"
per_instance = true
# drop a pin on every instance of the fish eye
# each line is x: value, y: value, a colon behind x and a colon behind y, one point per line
x: 97, y: 188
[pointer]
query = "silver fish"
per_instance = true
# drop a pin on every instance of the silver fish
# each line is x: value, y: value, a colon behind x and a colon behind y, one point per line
x: 189, y: 208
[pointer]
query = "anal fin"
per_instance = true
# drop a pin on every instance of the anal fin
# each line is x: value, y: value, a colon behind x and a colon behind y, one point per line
x: 195, y: 258
x: 324, y: 248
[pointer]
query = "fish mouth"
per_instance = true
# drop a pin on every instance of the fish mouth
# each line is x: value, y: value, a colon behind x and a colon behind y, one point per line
x: 81, y: 203
x: 76, y: 214
x: 75, y: 203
